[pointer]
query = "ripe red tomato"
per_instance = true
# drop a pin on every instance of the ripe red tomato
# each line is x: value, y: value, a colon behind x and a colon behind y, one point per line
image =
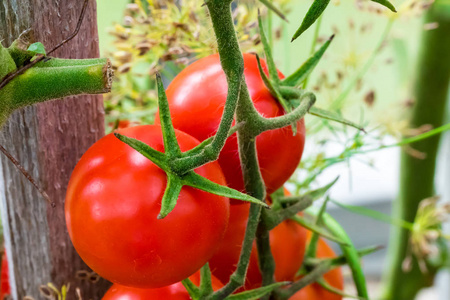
x: 287, y: 242
x: 197, y: 97
x: 175, y: 291
x: 5, y: 288
x: 334, y: 278
x: 113, y: 199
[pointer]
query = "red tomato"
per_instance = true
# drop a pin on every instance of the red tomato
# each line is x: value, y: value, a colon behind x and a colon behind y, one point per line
x: 175, y: 291
x: 5, y: 289
x: 287, y: 242
x: 196, y: 98
x: 113, y: 199
x: 334, y: 278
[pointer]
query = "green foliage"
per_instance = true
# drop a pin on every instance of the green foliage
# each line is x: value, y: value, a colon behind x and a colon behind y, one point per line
x: 386, y: 3
x: 307, y: 67
x: 314, y: 12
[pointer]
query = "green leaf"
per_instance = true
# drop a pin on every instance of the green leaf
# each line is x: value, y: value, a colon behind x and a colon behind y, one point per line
x: 37, y: 48
x: 375, y: 215
x: 321, y: 191
x: 324, y: 114
x: 274, y: 217
x: 317, y: 229
x: 268, y: 52
x: 170, y: 196
x: 323, y: 283
x: 158, y: 158
x: 313, y: 13
x: 205, y: 281
x: 257, y: 293
x: 342, y: 260
x: 275, y: 9
x: 311, y: 249
x: 191, y: 288
x: 171, y: 147
x: 307, y: 67
x: 271, y: 87
x: 386, y: 3
x: 194, y: 180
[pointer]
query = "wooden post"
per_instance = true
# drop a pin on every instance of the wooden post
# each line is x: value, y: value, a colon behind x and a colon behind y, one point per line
x: 48, y: 140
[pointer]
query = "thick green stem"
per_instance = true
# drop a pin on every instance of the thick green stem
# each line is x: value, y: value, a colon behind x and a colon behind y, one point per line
x: 265, y: 257
x: 417, y: 175
x: 46, y: 83
x: 254, y: 186
x: 311, y: 277
x: 233, y: 66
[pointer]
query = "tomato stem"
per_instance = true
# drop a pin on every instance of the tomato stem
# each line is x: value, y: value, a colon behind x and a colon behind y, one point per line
x: 70, y: 77
x: 311, y: 277
x: 307, y: 101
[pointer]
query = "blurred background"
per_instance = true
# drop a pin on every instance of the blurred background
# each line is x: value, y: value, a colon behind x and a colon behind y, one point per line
x: 369, y: 67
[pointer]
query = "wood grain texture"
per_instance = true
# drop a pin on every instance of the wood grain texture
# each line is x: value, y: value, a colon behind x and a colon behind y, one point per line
x: 48, y: 139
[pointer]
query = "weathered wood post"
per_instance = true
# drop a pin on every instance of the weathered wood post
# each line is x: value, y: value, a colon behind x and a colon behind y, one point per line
x: 48, y: 139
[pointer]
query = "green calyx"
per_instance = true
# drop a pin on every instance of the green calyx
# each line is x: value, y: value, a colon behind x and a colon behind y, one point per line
x: 177, y: 179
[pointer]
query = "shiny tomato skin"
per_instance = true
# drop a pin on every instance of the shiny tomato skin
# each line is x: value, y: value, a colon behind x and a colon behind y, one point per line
x: 334, y: 278
x: 197, y: 96
x: 175, y: 291
x: 287, y: 243
x: 5, y: 288
x: 113, y: 199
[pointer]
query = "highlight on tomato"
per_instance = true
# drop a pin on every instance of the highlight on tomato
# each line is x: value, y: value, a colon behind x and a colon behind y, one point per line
x: 287, y: 243
x: 112, y: 203
x: 333, y: 277
x: 175, y: 291
x: 197, y: 96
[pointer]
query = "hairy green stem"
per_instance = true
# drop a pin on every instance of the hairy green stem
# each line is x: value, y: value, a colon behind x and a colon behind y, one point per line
x: 238, y: 96
x: 233, y: 66
x: 46, y: 83
x: 265, y: 258
x: 237, y: 279
x: 311, y: 277
x: 417, y: 175
x: 278, y: 122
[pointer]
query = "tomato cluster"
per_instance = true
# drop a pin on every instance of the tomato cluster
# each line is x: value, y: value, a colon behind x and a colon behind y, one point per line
x: 114, y: 197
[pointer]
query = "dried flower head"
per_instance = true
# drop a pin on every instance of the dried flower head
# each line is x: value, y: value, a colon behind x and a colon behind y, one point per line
x: 426, y: 232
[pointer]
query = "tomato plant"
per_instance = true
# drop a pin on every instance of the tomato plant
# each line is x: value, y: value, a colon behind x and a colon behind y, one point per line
x: 334, y: 278
x: 287, y: 243
x: 174, y: 291
x: 197, y: 97
x: 112, y: 203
